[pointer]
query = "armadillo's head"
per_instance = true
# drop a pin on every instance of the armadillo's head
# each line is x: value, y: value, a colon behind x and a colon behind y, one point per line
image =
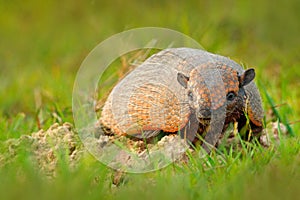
x: 214, y: 86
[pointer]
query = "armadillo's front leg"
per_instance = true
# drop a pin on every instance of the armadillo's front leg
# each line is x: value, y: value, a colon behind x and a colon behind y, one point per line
x: 189, y: 132
x: 214, y: 132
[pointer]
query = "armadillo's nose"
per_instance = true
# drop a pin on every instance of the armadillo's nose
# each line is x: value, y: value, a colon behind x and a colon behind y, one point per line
x: 205, y: 114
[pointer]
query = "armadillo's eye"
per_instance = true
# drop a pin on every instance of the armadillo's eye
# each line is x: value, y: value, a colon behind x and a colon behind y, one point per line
x: 190, y: 95
x: 230, y: 96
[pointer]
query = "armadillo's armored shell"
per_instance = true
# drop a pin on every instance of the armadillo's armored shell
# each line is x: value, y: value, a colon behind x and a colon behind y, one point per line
x: 254, y: 105
x: 147, y: 99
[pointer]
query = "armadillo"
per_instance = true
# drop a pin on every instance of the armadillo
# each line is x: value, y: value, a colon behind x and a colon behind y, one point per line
x: 182, y: 90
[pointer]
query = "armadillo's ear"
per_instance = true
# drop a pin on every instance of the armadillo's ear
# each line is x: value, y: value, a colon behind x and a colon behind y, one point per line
x: 246, y: 77
x: 182, y: 79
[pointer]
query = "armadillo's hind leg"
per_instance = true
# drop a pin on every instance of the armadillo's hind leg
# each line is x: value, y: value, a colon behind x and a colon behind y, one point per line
x: 146, y: 134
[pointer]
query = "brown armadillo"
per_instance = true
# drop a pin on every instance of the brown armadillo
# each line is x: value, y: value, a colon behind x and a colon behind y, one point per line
x: 181, y: 89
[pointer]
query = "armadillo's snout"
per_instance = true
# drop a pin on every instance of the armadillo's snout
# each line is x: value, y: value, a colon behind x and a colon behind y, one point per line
x: 204, y: 114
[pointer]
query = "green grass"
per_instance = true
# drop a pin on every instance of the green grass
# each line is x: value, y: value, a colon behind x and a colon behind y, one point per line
x: 44, y: 43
